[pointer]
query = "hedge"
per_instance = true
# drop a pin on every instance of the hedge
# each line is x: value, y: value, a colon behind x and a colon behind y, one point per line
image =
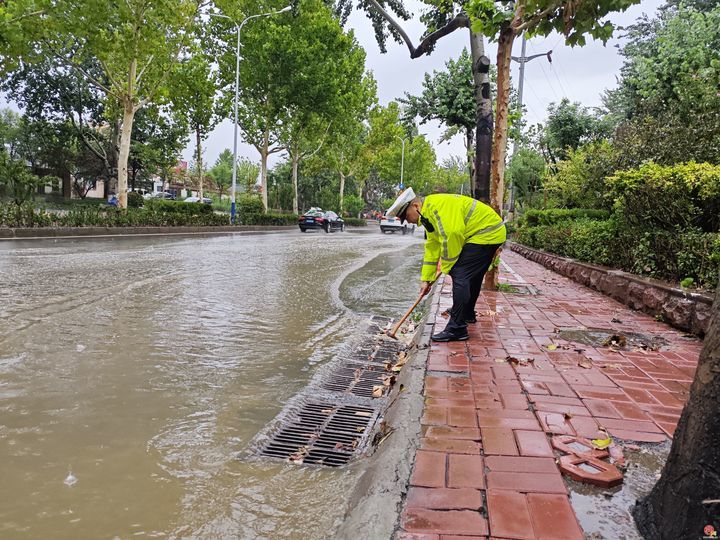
x: 555, y: 215
x: 355, y: 222
x: 197, y: 214
x: 673, y: 256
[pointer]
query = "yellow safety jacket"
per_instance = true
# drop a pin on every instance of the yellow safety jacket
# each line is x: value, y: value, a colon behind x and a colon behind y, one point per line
x: 458, y: 220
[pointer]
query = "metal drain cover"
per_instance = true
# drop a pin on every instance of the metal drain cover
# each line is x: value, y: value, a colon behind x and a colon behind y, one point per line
x: 321, y: 434
x: 356, y: 379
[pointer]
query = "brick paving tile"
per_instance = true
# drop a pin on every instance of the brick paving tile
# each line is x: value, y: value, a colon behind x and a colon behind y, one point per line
x: 453, y: 432
x: 526, y: 482
x: 562, y: 409
x: 462, y: 416
x: 434, y: 415
x: 505, y: 413
x: 466, y: 471
x: 521, y: 464
x: 533, y: 443
x: 509, y: 515
x: 500, y: 441
x: 480, y: 432
x: 455, y: 446
x: 561, y: 400
x: 555, y: 423
x: 444, y: 521
x: 404, y: 535
x: 553, y: 517
x: 511, y: 423
x: 429, y: 469
x: 450, y: 402
x: 628, y: 425
x: 445, y: 499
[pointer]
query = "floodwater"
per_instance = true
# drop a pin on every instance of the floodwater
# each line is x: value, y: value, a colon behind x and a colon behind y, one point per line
x: 134, y: 372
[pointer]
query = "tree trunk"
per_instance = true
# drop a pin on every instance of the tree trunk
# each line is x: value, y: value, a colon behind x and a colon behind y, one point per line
x: 125, y: 134
x: 198, y: 143
x: 342, y: 190
x: 295, y: 158
x: 469, y: 140
x: 686, y: 499
x: 483, y: 118
x: 502, y: 106
x: 263, y: 168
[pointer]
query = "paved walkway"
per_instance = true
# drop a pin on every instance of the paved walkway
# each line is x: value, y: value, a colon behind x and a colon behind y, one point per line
x: 485, y: 467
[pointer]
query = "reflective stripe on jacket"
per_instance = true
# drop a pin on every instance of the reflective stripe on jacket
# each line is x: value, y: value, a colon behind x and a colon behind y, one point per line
x: 457, y: 220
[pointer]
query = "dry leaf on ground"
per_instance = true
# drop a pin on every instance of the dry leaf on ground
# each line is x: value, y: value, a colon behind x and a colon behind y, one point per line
x: 378, y: 391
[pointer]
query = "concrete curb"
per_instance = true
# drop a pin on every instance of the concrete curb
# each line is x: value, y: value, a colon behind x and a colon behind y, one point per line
x: 374, y: 507
x: 685, y: 310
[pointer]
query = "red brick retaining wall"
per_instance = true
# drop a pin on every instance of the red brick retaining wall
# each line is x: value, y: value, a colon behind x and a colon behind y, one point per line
x: 685, y: 310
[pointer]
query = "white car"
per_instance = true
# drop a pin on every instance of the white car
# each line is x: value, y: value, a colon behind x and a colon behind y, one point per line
x: 388, y: 224
x: 206, y: 200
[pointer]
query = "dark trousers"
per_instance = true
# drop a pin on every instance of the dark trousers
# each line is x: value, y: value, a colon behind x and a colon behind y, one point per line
x: 467, y: 276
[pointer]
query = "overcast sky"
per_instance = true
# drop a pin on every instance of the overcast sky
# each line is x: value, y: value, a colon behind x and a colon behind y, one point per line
x: 580, y: 74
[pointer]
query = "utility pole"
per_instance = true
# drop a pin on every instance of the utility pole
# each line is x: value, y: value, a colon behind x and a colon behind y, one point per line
x: 522, y: 60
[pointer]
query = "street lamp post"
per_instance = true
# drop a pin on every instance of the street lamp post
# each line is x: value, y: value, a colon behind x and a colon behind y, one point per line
x: 522, y: 60
x: 237, y: 89
x: 402, y: 161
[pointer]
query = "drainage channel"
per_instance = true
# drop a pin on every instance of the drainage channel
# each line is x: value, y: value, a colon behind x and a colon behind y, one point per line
x: 330, y: 422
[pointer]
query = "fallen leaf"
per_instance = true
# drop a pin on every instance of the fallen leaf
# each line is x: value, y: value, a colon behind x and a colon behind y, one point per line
x: 567, y: 415
x: 551, y: 347
x: 454, y: 353
x: 359, y: 429
x: 363, y: 413
x: 500, y: 360
x: 585, y: 363
x: 611, y: 366
x: 616, y: 320
x: 601, y: 444
x: 326, y: 411
x: 388, y: 366
x: 378, y: 391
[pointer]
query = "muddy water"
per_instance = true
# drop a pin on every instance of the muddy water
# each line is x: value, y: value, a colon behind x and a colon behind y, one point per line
x: 141, y: 367
x: 606, y: 514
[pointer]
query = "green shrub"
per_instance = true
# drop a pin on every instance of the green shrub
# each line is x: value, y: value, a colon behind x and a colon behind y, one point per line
x: 552, y: 216
x: 269, y: 219
x: 134, y: 200
x: 178, y: 207
x: 355, y: 222
x: 670, y: 198
x: 249, y: 204
x: 593, y: 241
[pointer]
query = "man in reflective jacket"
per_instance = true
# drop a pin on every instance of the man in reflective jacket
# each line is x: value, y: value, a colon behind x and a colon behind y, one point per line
x: 463, y: 234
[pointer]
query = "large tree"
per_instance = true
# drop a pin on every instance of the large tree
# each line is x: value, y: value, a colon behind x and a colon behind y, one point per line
x: 666, y: 104
x: 442, y: 19
x: 685, y: 500
x: 448, y: 97
x: 194, y: 97
x: 135, y: 45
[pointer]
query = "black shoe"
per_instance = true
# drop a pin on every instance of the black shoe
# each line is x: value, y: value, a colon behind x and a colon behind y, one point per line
x: 471, y: 321
x: 446, y: 335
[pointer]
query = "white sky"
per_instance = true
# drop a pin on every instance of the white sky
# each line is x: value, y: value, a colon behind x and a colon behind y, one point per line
x: 580, y: 74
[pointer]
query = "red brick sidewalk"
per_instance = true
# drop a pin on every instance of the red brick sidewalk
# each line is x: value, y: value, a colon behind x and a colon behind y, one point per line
x: 486, y: 467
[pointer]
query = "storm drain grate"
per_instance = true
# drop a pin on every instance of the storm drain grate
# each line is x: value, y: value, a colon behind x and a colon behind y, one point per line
x: 357, y: 379
x: 321, y: 434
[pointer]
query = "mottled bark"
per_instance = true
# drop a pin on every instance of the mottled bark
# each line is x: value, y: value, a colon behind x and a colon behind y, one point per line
x: 686, y: 499
x: 198, y: 145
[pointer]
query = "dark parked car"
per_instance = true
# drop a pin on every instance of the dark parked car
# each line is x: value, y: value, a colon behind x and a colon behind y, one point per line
x: 315, y: 218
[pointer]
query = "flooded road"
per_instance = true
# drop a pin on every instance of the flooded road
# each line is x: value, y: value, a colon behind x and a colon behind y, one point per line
x: 133, y: 371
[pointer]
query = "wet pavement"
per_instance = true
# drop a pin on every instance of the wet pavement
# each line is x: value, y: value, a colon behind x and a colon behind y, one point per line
x: 142, y: 367
x: 486, y: 466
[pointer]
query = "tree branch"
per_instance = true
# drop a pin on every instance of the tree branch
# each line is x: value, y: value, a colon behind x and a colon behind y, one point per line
x: 461, y: 20
x: 536, y: 18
